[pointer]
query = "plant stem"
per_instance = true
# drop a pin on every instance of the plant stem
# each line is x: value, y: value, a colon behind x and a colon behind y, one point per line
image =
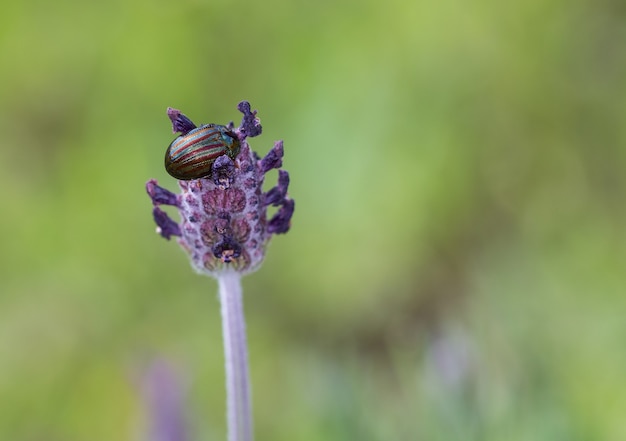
x: 236, y: 356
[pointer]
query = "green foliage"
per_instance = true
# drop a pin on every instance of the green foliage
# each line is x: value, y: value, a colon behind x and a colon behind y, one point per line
x: 455, y: 268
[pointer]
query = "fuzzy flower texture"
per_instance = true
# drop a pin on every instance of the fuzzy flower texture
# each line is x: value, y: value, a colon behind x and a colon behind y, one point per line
x: 223, y: 215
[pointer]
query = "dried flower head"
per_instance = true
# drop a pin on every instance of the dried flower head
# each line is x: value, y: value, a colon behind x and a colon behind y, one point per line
x: 222, y: 206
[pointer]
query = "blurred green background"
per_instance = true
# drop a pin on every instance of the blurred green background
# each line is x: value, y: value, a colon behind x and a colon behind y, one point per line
x: 455, y: 269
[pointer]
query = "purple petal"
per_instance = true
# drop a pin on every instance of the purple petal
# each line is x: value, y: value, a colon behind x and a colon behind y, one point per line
x: 276, y: 195
x: 166, y: 227
x: 281, y: 221
x: 159, y: 195
x: 250, y: 124
x: 273, y: 159
x: 180, y: 123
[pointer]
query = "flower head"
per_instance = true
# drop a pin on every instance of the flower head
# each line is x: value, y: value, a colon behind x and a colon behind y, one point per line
x: 223, y: 211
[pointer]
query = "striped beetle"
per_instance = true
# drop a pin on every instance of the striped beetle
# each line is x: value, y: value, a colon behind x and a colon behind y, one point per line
x: 191, y: 156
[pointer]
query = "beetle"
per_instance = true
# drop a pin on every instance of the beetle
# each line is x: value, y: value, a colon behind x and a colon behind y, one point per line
x: 191, y: 156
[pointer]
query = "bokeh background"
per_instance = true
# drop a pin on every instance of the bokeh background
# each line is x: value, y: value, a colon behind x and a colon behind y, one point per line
x: 455, y: 269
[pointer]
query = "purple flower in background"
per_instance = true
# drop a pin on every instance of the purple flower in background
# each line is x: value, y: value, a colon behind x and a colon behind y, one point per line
x: 223, y: 212
x: 163, y: 395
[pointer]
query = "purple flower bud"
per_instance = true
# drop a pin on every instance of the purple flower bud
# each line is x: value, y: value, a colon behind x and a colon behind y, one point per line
x: 223, y: 170
x: 226, y: 249
x: 224, y: 222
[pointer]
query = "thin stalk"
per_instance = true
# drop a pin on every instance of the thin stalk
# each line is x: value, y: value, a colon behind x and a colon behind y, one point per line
x: 236, y: 356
